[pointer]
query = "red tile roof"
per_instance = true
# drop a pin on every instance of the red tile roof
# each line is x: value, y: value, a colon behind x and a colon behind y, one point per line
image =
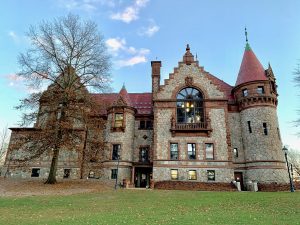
x: 141, y: 101
x: 223, y: 86
x: 251, y: 69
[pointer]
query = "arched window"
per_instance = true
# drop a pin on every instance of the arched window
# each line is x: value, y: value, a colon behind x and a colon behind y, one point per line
x: 190, y: 106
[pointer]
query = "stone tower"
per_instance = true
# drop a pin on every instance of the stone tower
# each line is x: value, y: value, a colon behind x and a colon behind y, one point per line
x: 120, y: 136
x: 256, y: 96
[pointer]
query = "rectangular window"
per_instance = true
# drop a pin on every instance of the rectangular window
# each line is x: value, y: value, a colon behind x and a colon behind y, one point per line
x: 265, y: 128
x: 174, y: 151
x: 146, y: 124
x: 91, y: 174
x: 116, y: 152
x: 211, y: 175
x: 235, y: 152
x: 245, y: 92
x: 192, y: 175
x: 260, y: 90
x: 209, y: 151
x: 249, y: 126
x: 174, y: 174
x: 144, y: 154
x: 35, y: 172
x: 142, y: 124
x: 119, y: 120
x: 114, y: 174
x: 192, y: 151
x: 67, y: 173
x: 149, y: 124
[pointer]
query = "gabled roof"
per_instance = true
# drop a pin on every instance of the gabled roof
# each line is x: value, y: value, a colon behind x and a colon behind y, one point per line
x: 251, y: 69
x: 140, y: 101
x: 123, y: 98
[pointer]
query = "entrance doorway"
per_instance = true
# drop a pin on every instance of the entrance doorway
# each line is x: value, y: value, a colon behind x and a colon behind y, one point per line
x: 238, y: 177
x: 142, y: 177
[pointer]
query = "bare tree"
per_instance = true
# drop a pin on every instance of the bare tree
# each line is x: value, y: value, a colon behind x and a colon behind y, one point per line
x: 69, y: 55
x: 294, y: 158
x: 4, y: 135
x: 297, y: 82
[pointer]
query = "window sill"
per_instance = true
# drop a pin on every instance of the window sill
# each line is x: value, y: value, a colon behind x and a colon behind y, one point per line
x: 117, y: 129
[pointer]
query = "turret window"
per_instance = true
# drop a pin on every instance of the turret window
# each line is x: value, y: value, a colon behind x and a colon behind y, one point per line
x: 119, y: 117
x: 235, y: 152
x: 265, y: 127
x: 249, y: 126
x: 245, y: 92
x: 190, y: 106
x: 116, y: 152
x: 260, y: 90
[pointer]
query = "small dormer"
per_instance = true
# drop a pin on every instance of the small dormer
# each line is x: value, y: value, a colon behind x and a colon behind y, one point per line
x: 118, y: 109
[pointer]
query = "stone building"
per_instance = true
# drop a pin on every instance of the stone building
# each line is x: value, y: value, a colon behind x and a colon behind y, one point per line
x: 192, y: 129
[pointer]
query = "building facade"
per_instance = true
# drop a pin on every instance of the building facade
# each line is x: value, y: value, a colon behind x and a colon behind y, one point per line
x: 191, y: 128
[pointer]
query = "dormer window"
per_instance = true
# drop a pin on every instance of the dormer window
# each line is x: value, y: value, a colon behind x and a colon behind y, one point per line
x: 260, y: 90
x: 245, y: 92
x: 119, y: 117
x: 190, y: 106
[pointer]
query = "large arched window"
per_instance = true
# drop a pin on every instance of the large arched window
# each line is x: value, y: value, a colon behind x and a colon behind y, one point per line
x: 190, y: 106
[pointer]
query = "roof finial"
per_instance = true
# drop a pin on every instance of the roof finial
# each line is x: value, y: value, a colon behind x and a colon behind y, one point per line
x: 196, y: 56
x: 246, y: 34
x: 247, y: 48
x: 187, y: 47
x: 123, y: 87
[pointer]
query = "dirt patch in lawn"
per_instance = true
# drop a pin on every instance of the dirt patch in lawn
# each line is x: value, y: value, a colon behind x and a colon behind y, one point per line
x: 30, y: 187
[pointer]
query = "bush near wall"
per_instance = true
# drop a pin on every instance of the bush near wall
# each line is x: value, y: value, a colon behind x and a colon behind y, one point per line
x: 277, y: 187
x: 194, y: 186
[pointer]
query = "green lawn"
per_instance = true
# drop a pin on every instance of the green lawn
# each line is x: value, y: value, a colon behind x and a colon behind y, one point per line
x: 153, y: 207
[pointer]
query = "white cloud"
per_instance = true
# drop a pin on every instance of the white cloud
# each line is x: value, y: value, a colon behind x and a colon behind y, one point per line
x: 115, y: 44
x: 130, y: 13
x: 13, y: 36
x: 132, y: 61
x: 150, y: 30
x: 86, y: 5
x: 126, y: 55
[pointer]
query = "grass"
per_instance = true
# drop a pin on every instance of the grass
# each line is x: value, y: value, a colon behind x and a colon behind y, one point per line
x: 153, y: 207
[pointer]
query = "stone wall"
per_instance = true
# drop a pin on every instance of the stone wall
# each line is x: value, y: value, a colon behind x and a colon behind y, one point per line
x: 124, y: 138
x: 259, y: 146
x: 142, y: 138
x: 267, y: 175
x: 177, y: 79
x: 234, y: 122
x: 221, y: 174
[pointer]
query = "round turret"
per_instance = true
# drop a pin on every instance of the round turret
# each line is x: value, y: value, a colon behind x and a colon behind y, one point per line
x: 256, y: 96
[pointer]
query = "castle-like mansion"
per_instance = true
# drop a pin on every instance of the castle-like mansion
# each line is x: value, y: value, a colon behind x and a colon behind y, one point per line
x: 193, y: 128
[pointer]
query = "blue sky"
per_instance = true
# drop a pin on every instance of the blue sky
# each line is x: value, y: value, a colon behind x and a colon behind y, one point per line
x: 138, y: 31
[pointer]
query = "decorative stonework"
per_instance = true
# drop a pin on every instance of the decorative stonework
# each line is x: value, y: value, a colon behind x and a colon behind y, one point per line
x: 189, y: 81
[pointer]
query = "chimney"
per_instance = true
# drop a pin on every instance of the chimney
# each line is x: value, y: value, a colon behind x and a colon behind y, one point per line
x: 155, y: 75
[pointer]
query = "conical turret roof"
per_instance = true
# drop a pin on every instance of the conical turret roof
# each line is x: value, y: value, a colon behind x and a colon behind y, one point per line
x: 251, y: 69
x: 123, y: 98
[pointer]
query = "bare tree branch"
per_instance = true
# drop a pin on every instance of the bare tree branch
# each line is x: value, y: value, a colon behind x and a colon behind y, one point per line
x: 69, y: 55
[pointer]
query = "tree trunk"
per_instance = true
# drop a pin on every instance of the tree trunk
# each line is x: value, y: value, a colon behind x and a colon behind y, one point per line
x: 83, y: 154
x: 58, y: 139
x: 52, y: 174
